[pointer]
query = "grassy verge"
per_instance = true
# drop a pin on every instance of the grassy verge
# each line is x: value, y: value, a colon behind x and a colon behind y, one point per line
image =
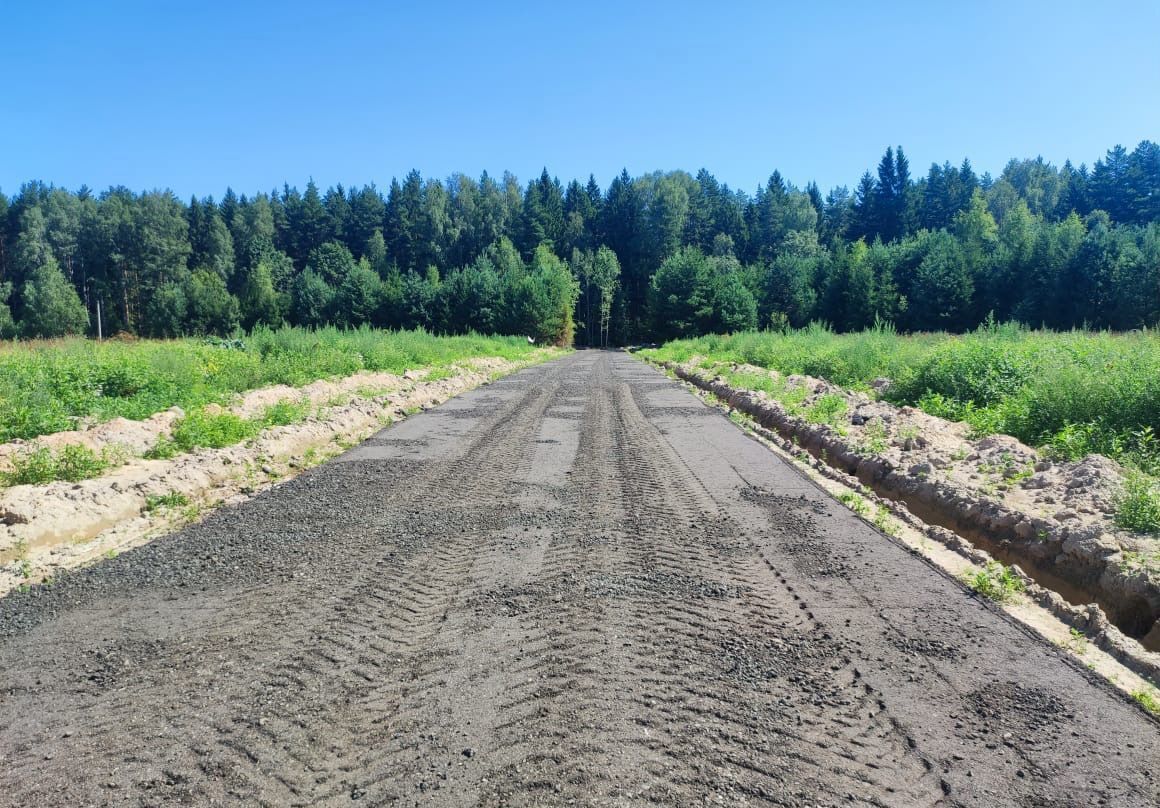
x: 1072, y: 394
x: 48, y: 387
x: 70, y: 463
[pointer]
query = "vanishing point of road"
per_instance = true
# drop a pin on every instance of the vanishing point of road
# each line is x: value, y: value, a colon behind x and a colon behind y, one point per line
x: 577, y: 585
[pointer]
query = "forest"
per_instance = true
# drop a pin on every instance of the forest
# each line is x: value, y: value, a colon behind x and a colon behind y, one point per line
x: 660, y: 256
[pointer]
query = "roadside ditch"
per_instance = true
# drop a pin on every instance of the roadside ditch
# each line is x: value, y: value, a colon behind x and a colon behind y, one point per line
x: 986, y: 499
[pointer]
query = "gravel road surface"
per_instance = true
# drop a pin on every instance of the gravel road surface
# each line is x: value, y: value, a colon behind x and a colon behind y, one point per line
x: 577, y: 585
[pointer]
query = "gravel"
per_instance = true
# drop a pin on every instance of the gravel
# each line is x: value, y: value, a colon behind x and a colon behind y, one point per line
x: 574, y: 586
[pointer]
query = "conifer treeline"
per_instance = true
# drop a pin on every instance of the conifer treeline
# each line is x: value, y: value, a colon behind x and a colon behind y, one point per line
x: 651, y: 257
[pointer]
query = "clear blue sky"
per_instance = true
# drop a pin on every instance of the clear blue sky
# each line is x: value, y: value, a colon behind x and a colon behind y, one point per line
x: 198, y: 96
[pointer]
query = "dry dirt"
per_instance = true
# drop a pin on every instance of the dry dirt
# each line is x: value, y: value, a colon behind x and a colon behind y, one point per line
x: 576, y: 586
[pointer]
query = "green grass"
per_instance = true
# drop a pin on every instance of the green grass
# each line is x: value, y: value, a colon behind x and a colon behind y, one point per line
x: 50, y: 386
x: 286, y: 412
x: 995, y: 582
x: 874, y: 439
x: 855, y: 503
x: 1070, y: 393
x: 71, y: 463
x: 1077, y: 392
x: 883, y: 522
x: 828, y: 409
x: 201, y: 429
x: 1149, y: 699
x: 172, y: 499
x: 1138, y: 505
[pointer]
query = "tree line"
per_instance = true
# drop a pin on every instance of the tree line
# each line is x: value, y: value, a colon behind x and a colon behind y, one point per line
x: 657, y: 256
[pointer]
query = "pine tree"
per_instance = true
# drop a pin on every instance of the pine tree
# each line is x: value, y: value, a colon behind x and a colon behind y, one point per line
x: 403, y: 220
x: 864, y: 212
x: 310, y: 223
x: 359, y: 296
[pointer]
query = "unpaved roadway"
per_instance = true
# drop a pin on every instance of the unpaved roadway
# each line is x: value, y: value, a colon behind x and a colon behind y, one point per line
x: 575, y: 586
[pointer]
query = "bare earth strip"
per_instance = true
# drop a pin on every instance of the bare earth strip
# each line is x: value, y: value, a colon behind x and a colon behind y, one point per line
x: 576, y: 586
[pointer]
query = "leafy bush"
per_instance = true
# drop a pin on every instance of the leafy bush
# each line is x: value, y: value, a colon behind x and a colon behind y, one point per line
x: 201, y: 429
x: 285, y: 413
x: 1138, y: 505
x: 72, y: 463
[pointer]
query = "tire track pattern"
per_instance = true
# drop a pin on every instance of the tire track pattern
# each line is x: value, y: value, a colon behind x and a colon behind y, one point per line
x: 459, y: 628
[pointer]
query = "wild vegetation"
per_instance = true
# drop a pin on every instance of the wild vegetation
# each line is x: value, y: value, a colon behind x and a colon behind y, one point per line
x: 659, y: 256
x: 51, y: 386
x: 1074, y: 393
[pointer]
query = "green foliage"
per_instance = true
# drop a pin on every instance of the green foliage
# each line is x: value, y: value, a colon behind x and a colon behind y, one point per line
x: 883, y: 522
x: 259, y: 302
x: 52, y: 307
x: 358, y: 297
x: 855, y: 503
x: 201, y: 429
x: 311, y: 300
x: 734, y: 306
x: 1149, y: 699
x: 544, y: 299
x: 212, y: 309
x: 167, y: 312
x: 7, y: 323
x: 286, y: 412
x: 662, y: 255
x: 995, y: 582
x: 943, y: 283
x: 171, y: 499
x: 46, y: 387
x: 1075, y: 393
x: 874, y: 438
x: 681, y: 295
x: 828, y: 409
x: 1138, y: 505
x: 72, y: 463
x: 332, y: 262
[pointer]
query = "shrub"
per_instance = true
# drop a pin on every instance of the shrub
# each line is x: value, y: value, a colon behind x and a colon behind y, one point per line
x: 828, y: 409
x: 201, y: 429
x: 72, y: 463
x: 1138, y: 505
x: 286, y: 412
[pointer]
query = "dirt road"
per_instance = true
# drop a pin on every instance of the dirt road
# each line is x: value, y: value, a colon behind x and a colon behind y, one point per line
x: 575, y: 586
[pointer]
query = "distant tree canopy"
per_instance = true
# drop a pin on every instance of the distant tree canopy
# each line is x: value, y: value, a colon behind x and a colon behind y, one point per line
x: 649, y: 258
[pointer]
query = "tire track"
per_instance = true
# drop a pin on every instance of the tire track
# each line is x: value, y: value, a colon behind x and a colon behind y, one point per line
x: 597, y: 596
